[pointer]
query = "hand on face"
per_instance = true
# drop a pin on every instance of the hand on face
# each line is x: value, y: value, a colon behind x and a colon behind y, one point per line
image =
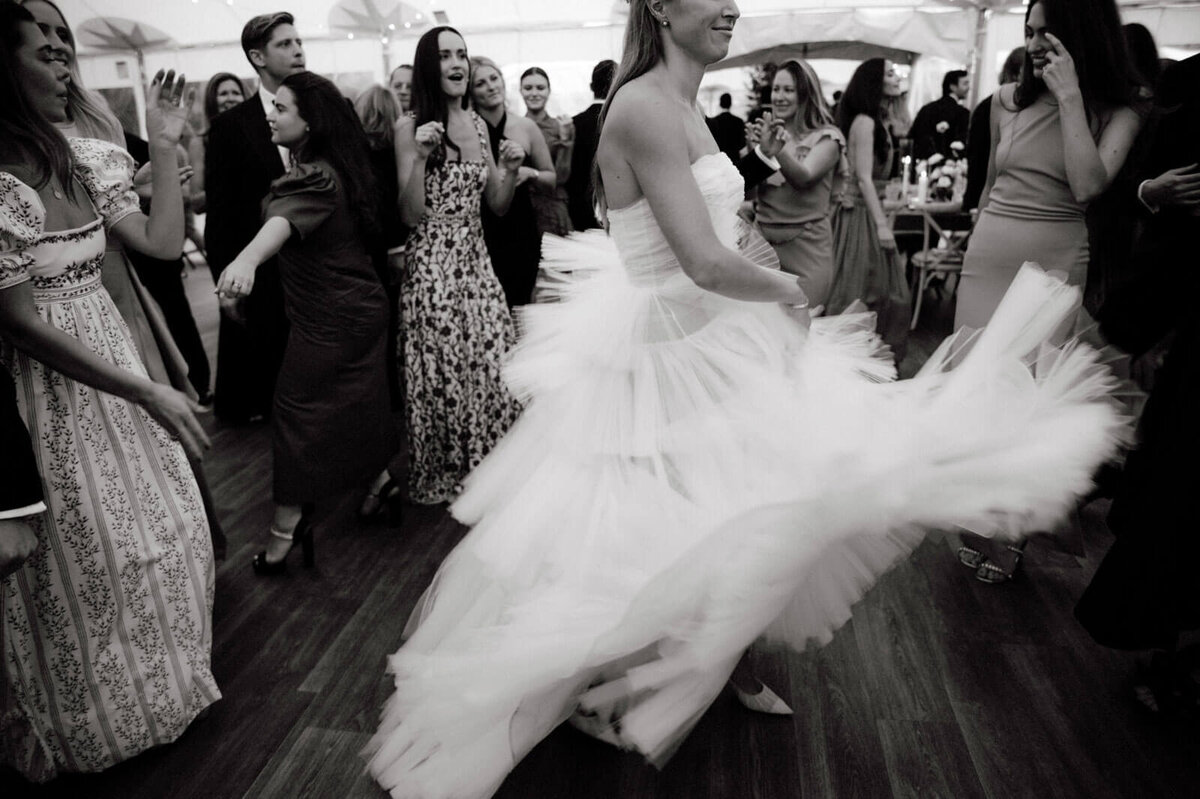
x: 166, y: 113
x: 1059, y: 73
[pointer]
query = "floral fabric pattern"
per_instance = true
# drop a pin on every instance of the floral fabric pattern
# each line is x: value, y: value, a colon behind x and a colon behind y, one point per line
x: 458, y: 331
x: 106, y: 171
x: 107, y: 628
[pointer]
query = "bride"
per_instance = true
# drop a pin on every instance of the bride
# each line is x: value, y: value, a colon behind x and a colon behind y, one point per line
x: 698, y: 466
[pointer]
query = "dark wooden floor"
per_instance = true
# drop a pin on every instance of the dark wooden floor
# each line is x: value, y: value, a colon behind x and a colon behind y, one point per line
x: 939, y: 687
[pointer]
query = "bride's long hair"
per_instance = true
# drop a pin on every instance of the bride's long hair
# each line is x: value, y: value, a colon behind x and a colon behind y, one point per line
x: 643, y: 49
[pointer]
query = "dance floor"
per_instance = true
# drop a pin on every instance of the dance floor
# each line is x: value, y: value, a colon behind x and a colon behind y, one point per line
x: 940, y: 686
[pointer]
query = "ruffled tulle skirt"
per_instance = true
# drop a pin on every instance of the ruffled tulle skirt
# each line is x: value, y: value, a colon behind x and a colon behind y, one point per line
x: 692, y: 472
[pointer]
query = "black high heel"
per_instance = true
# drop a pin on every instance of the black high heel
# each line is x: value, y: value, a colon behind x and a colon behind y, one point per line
x: 302, y: 535
x: 375, y: 501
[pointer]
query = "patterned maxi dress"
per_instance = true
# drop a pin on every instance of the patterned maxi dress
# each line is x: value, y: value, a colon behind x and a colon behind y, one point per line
x: 107, y: 629
x: 458, y: 331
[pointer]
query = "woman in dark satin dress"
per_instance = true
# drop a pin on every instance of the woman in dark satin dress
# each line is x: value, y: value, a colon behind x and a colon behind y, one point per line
x: 514, y: 241
x: 332, y: 427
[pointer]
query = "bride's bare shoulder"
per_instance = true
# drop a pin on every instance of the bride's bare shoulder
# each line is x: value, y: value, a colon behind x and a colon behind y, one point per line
x: 636, y: 97
x: 640, y: 108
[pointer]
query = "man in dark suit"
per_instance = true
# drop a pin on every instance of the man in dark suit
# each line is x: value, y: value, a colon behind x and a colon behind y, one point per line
x: 587, y: 137
x: 943, y: 121
x: 728, y: 130
x: 20, y: 485
x: 1145, y: 595
x: 239, y: 165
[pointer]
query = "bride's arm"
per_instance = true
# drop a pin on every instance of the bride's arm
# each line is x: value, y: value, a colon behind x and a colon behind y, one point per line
x: 650, y: 142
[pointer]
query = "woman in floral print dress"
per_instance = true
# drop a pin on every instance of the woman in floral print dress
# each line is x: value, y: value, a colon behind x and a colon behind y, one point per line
x: 457, y: 327
x: 107, y: 628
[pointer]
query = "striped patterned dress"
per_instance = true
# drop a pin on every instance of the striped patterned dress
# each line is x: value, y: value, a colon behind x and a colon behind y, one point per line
x: 107, y: 629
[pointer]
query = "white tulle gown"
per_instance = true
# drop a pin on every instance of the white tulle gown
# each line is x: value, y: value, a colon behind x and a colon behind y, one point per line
x: 692, y: 472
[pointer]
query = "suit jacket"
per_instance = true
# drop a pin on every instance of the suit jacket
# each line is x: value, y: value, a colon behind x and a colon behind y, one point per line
x: 1160, y: 296
x: 20, y: 484
x: 924, y: 133
x: 579, y: 184
x: 730, y: 133
x: 240, y: 161
x: 754, y: 170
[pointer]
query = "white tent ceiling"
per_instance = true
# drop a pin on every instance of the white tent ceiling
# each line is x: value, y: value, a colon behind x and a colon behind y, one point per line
x: 356, y: 41
x: 191, y: 23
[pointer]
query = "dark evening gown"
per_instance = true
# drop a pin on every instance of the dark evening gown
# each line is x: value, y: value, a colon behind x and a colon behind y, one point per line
x: 513, y: 240
x: 331, y: 420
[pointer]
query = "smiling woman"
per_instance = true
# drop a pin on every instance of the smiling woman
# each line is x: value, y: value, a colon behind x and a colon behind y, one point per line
x: 83, y: 695
x: 458, y: 329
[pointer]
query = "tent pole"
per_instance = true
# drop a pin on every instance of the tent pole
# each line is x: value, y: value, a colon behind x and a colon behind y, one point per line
x: 982, y: 15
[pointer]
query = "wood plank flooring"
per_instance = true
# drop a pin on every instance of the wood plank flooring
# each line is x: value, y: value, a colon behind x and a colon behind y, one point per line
x: 939, y: 687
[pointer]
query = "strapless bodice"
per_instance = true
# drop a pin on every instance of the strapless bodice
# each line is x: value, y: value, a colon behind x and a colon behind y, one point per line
x: 644, y: 251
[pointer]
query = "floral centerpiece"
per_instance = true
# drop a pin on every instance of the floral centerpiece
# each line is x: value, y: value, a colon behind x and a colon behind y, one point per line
x: 947, y: 176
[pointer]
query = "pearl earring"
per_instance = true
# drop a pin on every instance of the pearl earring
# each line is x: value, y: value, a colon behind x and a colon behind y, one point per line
x: 666, y: 23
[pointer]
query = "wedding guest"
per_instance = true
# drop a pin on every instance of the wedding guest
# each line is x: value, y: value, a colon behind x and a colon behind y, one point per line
x: 1058, y: 138
x: 559, y: 133
x: 239, y: 165
x: 513, y: 240
x: 1144, y: 596
x: 378, y: 110
x: 87, y: 123
x: 792, y: 207
x: 864, y: 250
x: 331, y: 423
x: 400, y: 83
x: 107, y: 626
x: 728, y: 129
x: 164, y: 281
x: 223, y: 92
x: 943, y: 121
x: 1113, y: 218
x: 580, y: 192
x: 457, y: 326
x: 979, y: 135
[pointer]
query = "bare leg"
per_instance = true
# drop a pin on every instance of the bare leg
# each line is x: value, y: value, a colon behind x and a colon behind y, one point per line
x: 285, y: 521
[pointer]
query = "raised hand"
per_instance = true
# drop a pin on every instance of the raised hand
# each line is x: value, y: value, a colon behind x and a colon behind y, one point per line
x: 566, y: 129
x: 511, y: 155
x: 166, y: 113
x: 774, y: 137
x: 1059, y: 73
x: 428, y: 137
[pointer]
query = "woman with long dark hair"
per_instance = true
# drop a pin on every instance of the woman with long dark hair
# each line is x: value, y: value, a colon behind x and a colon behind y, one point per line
x: 457, y: 327
x: 514, y: 240
x: 108, y: 626
x: 331, y: 420
x: 792, y: 207
x: 698, y: 466
x: 866, y: 264
x: 559, y: 133
x: 1060, y: 135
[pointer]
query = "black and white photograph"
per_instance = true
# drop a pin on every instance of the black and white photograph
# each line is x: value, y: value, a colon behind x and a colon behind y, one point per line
x: 599, y: 399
